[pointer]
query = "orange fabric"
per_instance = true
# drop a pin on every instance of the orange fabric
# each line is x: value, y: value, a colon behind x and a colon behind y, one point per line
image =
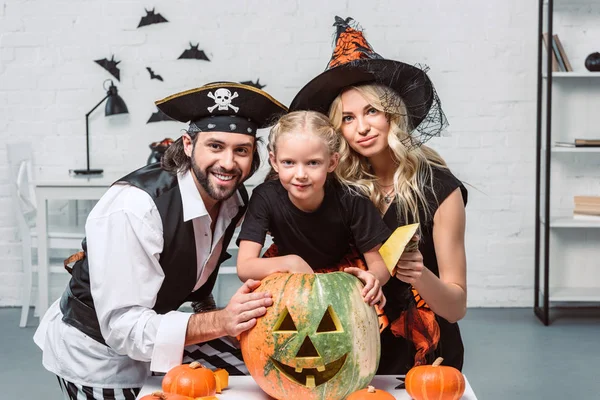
x: 350, y: 45
x: 417, y: 324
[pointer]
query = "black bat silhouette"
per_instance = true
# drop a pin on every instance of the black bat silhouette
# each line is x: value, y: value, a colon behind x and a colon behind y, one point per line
x: 256, y: 85
x: 193, y: 53
x: 151, y: 18
x: 159, y: 116
x: 153, y: 75
x: 110, y: 66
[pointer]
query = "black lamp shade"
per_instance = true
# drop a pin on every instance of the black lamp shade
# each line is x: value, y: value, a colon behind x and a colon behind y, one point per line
x: 114, y: 103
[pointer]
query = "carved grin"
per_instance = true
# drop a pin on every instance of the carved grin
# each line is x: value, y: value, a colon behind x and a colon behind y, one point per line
x: 311, y: 377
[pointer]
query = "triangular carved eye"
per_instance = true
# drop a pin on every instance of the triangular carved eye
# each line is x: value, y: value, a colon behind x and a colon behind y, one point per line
x: 285, y: 323
x: 330, y: 322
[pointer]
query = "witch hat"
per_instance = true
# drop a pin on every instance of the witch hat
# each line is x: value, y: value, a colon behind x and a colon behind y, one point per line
x: 354, y: 62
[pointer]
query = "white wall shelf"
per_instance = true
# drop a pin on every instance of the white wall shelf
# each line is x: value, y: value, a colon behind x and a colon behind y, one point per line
x: 570, y: 222
x: 559, y: 149
x: 573, y: 75
x: 591, y: 295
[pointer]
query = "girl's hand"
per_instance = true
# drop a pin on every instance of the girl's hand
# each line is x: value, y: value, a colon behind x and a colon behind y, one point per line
x: 410, y: 266
x: 372, y: 292
x: 296, y: 264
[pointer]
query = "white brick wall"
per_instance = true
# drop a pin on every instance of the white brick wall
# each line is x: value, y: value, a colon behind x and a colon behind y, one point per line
x: 482, y: 56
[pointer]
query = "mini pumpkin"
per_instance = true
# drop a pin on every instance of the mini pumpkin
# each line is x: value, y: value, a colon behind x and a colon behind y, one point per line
x: 158, y: 395
x: 435, y: 381
x: 370, y: 393
x: 222, y: 378
x: 319, y: 339
x: 193, y: 380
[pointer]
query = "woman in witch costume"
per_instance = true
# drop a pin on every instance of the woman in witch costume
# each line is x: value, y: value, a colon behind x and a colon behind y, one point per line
x: 385, y: 110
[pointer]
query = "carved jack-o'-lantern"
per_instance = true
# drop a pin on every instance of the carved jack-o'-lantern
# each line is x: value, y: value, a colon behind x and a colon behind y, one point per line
x: 319, y: 339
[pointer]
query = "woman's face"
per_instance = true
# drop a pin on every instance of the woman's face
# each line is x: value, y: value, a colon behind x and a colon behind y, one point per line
x: 364, y: 127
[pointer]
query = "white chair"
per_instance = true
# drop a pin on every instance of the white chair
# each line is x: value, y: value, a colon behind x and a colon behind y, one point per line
x: 20, y: 160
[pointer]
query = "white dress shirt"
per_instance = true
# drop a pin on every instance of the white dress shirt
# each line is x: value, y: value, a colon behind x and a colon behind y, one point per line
x: 125, y: 238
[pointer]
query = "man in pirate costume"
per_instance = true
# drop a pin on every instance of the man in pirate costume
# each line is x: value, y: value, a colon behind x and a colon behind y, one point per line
x: 154, y: 241
x: 386, y: 110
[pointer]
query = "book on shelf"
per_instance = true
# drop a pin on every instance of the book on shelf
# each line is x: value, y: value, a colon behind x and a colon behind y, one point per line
x: 560, y: 61
x: 587, y: 142
x: 579, y: 143
x: 562, y: 53
x: 564, y: 144
x: 587, y: 200
x: 546, y: 38
x: 587, y: 210
x: 586, y: 217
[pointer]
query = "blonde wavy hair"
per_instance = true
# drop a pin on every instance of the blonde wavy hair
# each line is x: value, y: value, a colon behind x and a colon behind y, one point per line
x: 413, y: 165
x: 312, y: 122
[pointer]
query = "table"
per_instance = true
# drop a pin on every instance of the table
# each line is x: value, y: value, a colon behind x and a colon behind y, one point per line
x: 62, y: 187
x: 244, y: 388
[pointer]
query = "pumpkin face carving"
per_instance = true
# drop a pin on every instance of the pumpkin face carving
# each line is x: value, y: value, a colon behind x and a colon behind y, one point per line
x: 318, y: 340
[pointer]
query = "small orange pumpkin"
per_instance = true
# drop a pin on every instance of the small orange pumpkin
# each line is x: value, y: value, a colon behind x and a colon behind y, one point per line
x: 370, y: 393
x: 158, y: 395
x: 435, y: 382
x: 193, y: 380
x: 222, y: 377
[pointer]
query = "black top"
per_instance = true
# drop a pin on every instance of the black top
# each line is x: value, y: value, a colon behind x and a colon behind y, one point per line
x: 397, y: 354
x: 321, y: 237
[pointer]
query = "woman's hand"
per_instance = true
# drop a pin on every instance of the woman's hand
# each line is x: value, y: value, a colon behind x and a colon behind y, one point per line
x: 410, y: 267
x: 372, y: 292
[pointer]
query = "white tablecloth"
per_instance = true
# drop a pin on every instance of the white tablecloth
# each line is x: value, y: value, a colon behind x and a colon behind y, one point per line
x: 244, y: 388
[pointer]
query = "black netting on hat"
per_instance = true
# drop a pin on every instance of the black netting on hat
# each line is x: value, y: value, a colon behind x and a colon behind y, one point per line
x: 416, y: 95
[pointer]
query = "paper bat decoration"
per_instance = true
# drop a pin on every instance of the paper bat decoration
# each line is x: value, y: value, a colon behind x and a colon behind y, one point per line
x: 153, y: 75
x: 256, y: 85
x: 110, y: 66
x: 194, y: 53
x: 159, y: 116
x: 151, y: 18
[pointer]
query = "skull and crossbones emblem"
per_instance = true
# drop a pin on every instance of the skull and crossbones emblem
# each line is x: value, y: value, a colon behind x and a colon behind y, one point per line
x: 222, y: 98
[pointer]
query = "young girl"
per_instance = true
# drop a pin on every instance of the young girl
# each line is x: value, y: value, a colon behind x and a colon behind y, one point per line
x: 313, y: 220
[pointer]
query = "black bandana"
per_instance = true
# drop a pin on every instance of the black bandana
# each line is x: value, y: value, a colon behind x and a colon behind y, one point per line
x: 225, y: 123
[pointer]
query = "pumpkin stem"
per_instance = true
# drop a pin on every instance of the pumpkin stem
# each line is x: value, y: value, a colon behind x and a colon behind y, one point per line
x: 196, y: 364
x: 437, y: 362
x: 371, y: 389
x: 159, y: 394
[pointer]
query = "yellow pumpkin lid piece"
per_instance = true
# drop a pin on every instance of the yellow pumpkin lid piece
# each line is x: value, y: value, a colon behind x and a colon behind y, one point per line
x: 393, y: 248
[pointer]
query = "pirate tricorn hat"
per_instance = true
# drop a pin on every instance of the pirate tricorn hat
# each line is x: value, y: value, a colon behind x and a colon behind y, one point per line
x: 354, y: 62
x: 224, y: 107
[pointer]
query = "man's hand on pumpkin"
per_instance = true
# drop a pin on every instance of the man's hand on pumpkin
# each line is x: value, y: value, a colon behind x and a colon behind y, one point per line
x: 244, y: 308
x: 372, y: 292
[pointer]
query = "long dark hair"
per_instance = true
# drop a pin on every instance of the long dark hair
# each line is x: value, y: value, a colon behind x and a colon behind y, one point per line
x: 176, y: 161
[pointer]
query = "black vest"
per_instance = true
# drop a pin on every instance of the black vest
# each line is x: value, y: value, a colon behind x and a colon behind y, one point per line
x: 178, y: 258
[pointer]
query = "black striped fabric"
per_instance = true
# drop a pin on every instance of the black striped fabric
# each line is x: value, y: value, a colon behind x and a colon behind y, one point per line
x: 72, y: 391
x: 216, y: 353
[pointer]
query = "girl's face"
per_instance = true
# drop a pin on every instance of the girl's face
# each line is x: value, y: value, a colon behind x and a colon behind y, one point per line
x: 364, y: 127
x: 303, y: 162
